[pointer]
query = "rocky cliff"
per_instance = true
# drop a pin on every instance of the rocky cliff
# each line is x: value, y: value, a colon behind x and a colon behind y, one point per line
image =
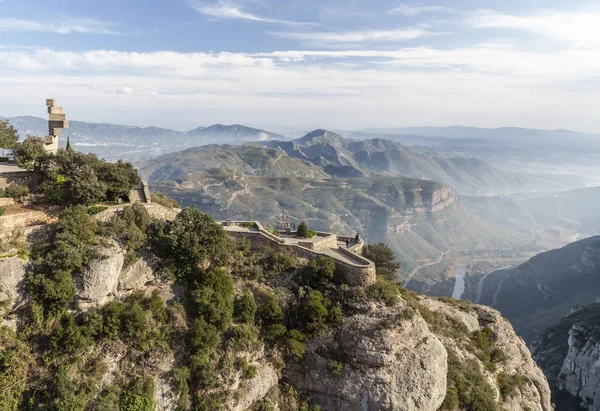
x: 386, y: 349
x: 569, y: 353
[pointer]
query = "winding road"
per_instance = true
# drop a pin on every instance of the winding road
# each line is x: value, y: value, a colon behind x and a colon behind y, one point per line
x: 482, y: 279
x: 414, y: 271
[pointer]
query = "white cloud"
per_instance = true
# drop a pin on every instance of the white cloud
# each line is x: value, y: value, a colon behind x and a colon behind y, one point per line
x: 63, y: 25
x: 356, y: 36
x: 226, y: 10
x: 485, y: 85
x: 411, y: 11
x: 578, y: 27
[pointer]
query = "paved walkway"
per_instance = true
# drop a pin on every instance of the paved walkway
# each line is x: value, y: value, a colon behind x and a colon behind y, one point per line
x: 11, y: 168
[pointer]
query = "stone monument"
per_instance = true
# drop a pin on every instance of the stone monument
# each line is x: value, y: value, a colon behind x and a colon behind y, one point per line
x: 57, y: 121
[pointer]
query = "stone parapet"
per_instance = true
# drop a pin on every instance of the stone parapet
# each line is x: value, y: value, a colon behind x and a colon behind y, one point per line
x: 356, y: 270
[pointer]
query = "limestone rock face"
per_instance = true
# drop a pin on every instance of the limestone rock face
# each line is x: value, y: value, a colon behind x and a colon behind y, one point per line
x: 569, y: 353
x: 393, y: 360
x: 253, y: 390
x: 580, y: 374
x: 99, y: 282
x: 139, y: 273
x: 12, y: 273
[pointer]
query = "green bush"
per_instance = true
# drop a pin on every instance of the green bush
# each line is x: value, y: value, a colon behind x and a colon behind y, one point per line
x: 190, y: 239
x: 509, y: 385
x: 71, y: 177
x: 278, y: 260
x: 96, y: 209
x: 336, y: 368
x: 243, y: 337
x: 213, y: 297
x: 249, y: 371
x: 69, y: 250
x: 318, y: 273
x: 138, y: 396
x: 16, y: 191
x: 245, y: 308
x: 385, y: 260
x: 29, y: 153
x: 313, y: 312
x: 8, y: 137
x: 294, y: 345
x: 2, y: 211
x: 180, y: 379
x: 269, y: 311
x: 304, y: 232
x: 15, y: 361
x: 385, y: 291
x: 162, y: 199
x: 467, y: 388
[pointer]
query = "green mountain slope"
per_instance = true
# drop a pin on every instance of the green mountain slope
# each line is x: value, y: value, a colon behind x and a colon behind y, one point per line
x: 538, y: 293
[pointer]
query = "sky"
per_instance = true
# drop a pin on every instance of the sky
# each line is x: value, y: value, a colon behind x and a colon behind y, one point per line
x: 339, y: 64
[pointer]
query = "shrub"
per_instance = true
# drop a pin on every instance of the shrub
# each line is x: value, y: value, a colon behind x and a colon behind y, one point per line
x: 294, y: 345
x: 190, y: 239
x: 8, y: 136
x: 510, y: 384
x: 213, y: 297
x: 304, y: 232
x: 29, y: 153
x: 313, y: 312
x: 318, y: 272
x: 16, y: 191
x: 277, y: 260
x: 268, y: 311
x: 162, y: 199
x: 245, y: 308
x: 336, y: 368
x: 249, y: 371
x: 96, y: 209
x: 273, y: 332
x: 51, y: 283
x: 138, y: 396
x: 180, y: 379
x: 243, y: 337
x: 2, y: 211
x: 385, y: 260
x: 385, y: 291
x: 203, y: 337
x: 15, y: 360
x: 72, y: 177
x: 467, y: 388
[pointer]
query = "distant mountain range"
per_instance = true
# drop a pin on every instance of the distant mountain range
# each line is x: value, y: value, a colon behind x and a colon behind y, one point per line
x: 115, y: 141
x: 342, y: 185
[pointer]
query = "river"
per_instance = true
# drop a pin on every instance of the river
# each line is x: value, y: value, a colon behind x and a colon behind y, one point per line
x: 459, y: 285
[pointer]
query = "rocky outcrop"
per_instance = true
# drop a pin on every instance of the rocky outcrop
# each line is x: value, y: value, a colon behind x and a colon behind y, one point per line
x: 579, y: 373
x: 12, y: 273
x: 99, y: 282
x: 138, y: 274
x: 569, y: 353
x: 386, y: 358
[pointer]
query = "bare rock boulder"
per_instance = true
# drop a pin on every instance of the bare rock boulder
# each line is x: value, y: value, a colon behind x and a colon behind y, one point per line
x: 98, y: 284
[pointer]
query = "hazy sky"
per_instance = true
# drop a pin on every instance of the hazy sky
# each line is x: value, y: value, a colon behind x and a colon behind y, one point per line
x: 308, y: 63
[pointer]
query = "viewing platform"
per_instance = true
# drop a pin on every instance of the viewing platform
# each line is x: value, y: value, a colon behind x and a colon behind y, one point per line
x: 358, y: 271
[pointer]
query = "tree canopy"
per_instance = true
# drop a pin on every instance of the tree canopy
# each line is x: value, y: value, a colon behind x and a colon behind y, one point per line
x: 385, y: 260
x: 8, y: 135
x: 29, y: 153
